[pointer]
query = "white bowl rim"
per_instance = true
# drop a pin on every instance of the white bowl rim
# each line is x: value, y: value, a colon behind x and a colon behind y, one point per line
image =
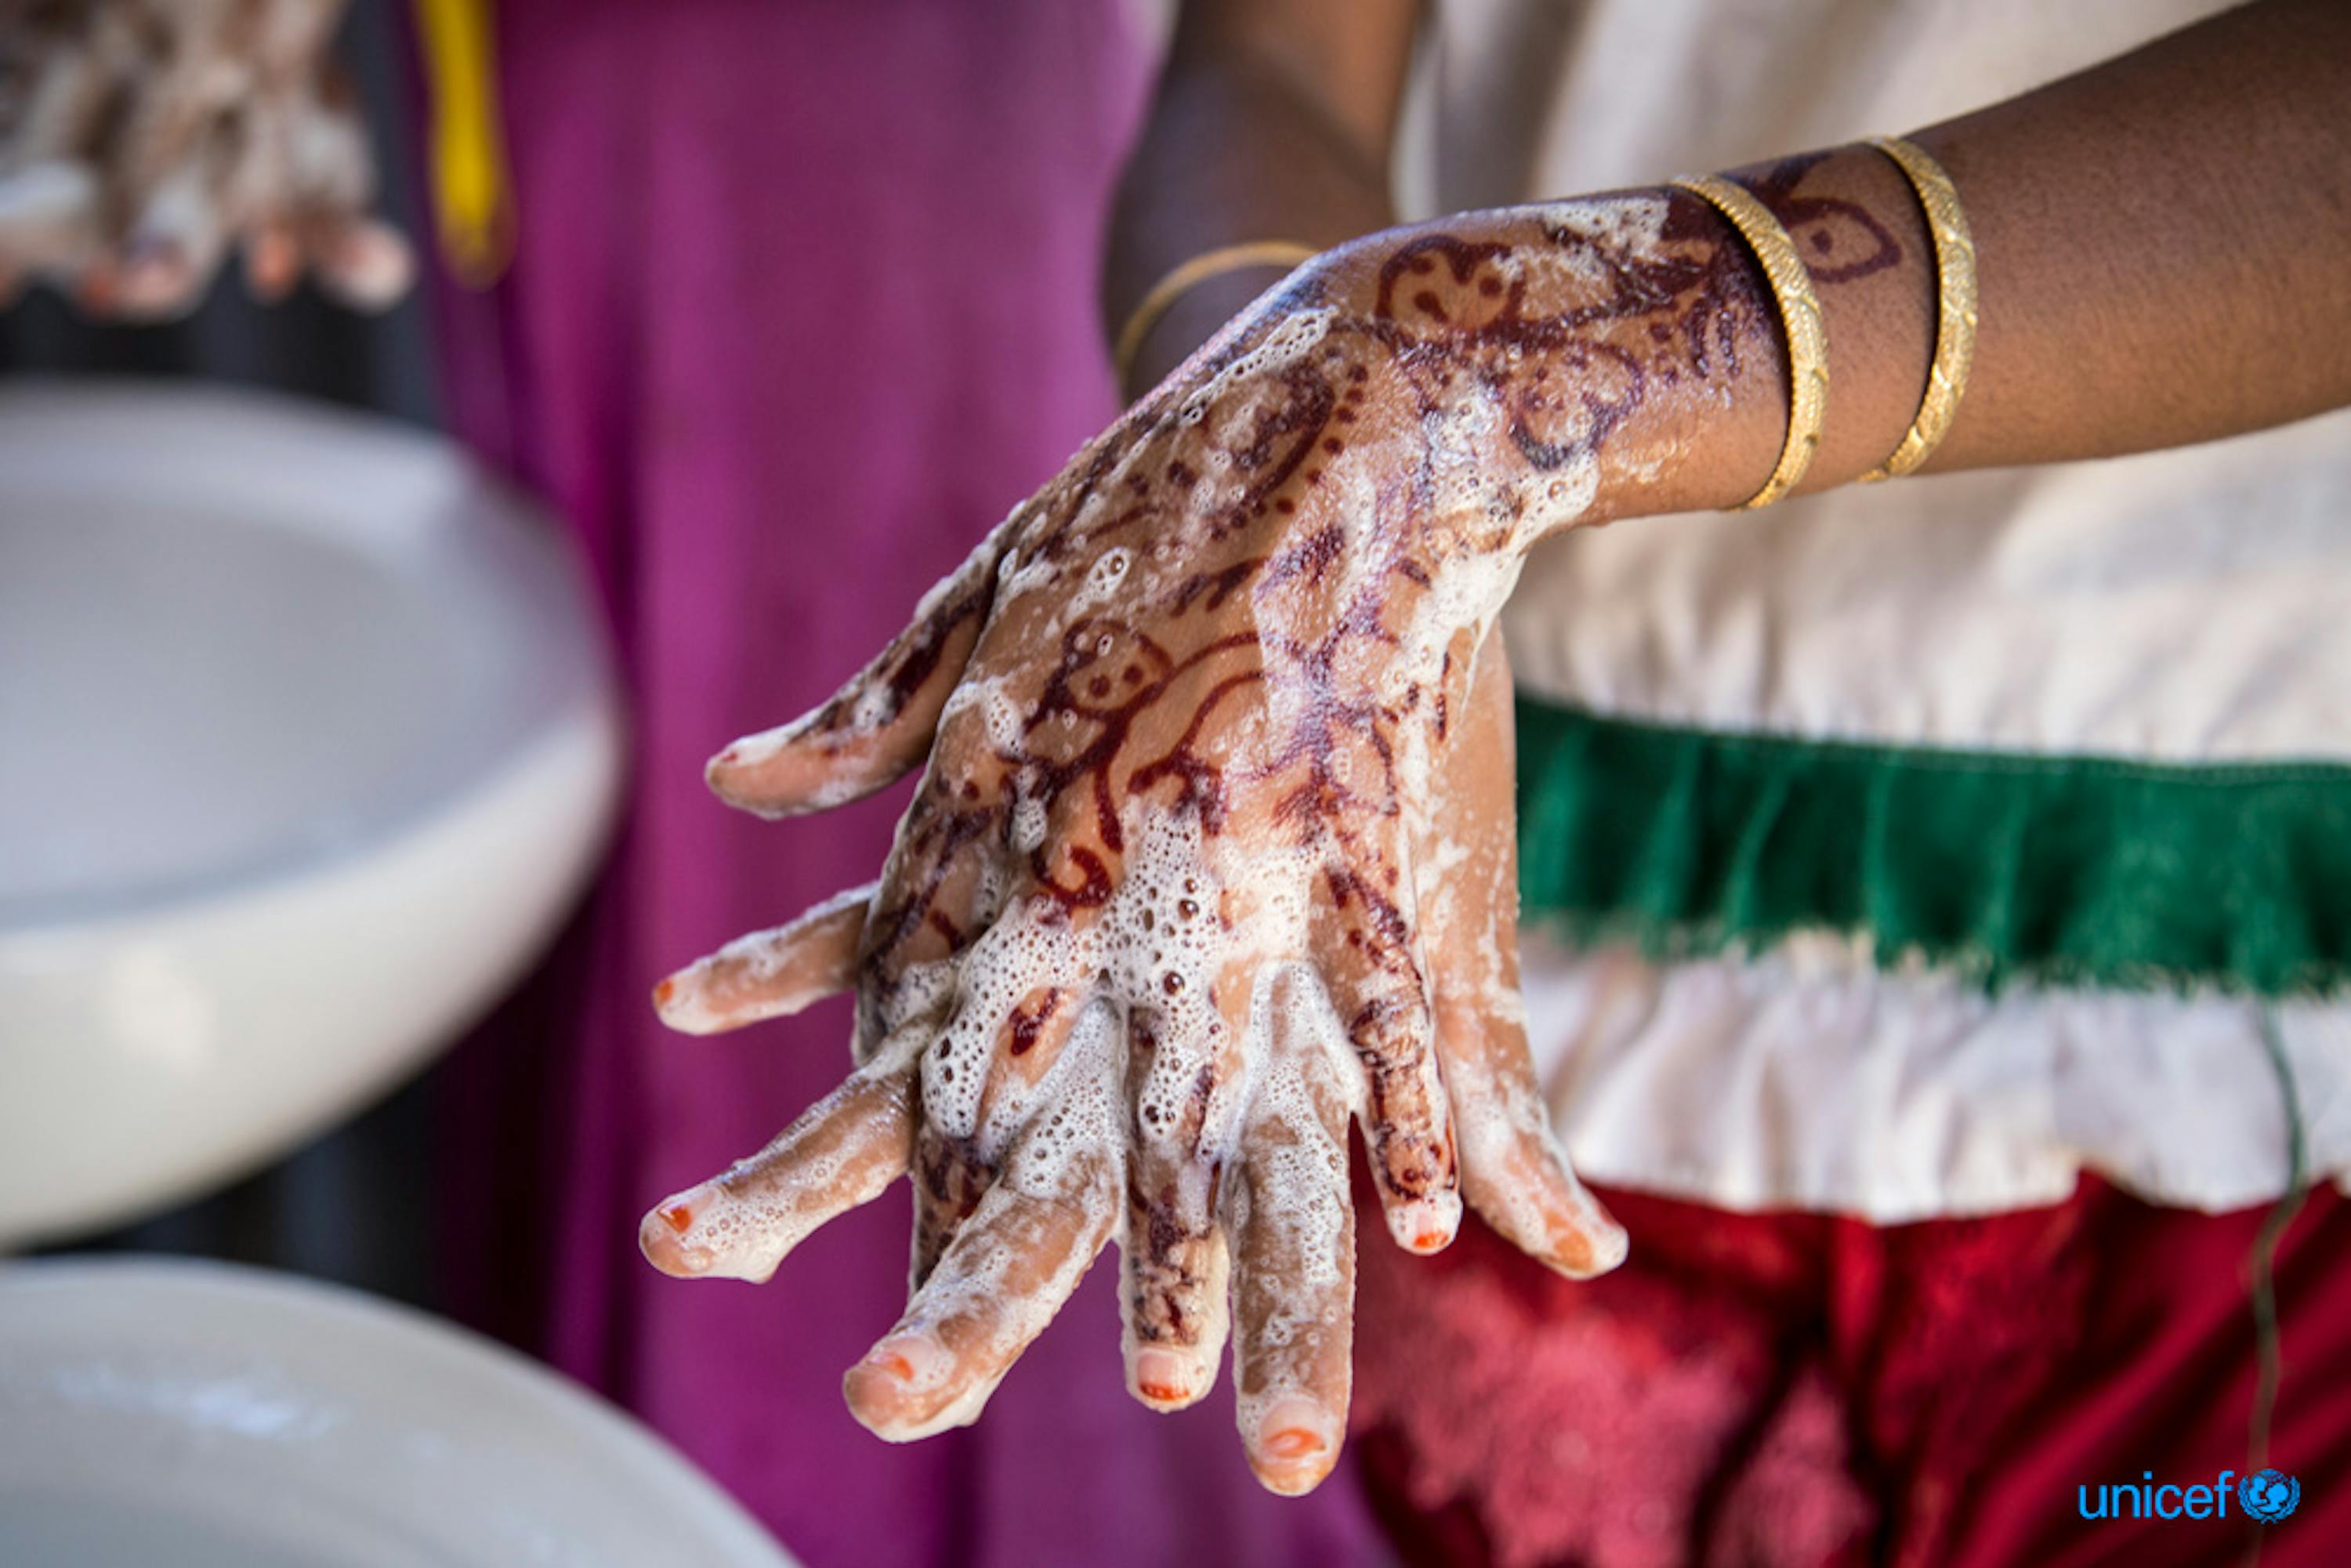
x: 713, y: 1528
x: 590, y: 695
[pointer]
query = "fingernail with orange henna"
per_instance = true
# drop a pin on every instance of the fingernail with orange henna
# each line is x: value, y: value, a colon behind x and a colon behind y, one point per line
x: 1164, y: 1377
x: 886, y: 1390
x: 661, y: 1237
x: 1587, y: 1243
x: 1293, y: 1443
x: 683, y: 1001
x: 1297, y: 1444
x: 1425, y: 1224
x: 910, y: 1358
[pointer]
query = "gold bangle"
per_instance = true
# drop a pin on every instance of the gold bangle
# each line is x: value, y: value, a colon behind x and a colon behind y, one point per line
x: 1955, y: 308
x: 1281, y: 253
x: 1800, y: 315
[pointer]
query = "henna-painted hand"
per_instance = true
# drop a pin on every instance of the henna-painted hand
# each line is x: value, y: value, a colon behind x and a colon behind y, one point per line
x: 1215, y: 846
x: 141, y: 141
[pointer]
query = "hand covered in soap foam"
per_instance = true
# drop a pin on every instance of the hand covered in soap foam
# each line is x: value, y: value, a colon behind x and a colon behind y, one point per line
x: 141, y: 139
x: 1214, y: 850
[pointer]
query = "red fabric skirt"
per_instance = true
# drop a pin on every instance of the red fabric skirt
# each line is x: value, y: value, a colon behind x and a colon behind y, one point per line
x: 1781, y: 1389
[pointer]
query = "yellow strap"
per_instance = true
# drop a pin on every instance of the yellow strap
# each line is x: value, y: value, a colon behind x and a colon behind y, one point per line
x: 472, y: 197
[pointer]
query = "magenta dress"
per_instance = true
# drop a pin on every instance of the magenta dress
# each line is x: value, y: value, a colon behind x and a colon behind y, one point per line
x: 803, y: 302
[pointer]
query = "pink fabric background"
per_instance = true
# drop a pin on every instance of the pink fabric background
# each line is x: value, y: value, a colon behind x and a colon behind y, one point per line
x: 803, y: 303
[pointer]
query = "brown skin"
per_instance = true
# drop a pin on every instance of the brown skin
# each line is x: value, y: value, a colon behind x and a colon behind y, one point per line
x: 1254, y: 613
x: 1282, y: 651
x: 2185, y: 282
x: 1322, y: 82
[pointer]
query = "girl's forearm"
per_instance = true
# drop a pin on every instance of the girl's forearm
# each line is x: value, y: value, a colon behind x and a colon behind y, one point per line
x: 2164, y: 241
x: 2160, y: 242
x: 2163, y: 248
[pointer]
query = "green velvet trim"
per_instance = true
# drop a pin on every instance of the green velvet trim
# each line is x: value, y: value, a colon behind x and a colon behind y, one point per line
x: 2064, y: 869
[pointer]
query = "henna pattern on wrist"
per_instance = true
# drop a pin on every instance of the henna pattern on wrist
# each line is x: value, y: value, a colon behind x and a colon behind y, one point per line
x: 1840, y: 240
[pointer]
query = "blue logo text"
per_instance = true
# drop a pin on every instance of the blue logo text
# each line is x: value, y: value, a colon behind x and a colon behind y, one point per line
x: 2265, y: 1496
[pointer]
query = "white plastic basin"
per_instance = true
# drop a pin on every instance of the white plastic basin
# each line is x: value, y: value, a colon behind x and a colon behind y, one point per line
x: 210, y: 1417
x: 308, y: 743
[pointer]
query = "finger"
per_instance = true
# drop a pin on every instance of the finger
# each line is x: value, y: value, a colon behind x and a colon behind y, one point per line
x: 255, y: 196
x: 843, y: 1151
x: 361, y: 263
x: 1513, y: 1172
x: 173, y: 249
x: 1175, y: 1263
x: 1009, y: 1271
x: 157, y: 281
x: 982, y: 1084
x: 273, y: 260
x: 168, y: 125
x: 876, y: 727
x: 769, y: 974
x: 1366, y: 954
x: 1293, y: 1235
x: 179, y: 168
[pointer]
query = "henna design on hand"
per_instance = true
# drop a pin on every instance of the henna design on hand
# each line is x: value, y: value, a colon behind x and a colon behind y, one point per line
x: 1213, y: 847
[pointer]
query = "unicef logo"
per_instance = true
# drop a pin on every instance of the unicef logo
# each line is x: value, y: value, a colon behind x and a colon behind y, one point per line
x: 2264, y: 1497
x: 2269, y: 1495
